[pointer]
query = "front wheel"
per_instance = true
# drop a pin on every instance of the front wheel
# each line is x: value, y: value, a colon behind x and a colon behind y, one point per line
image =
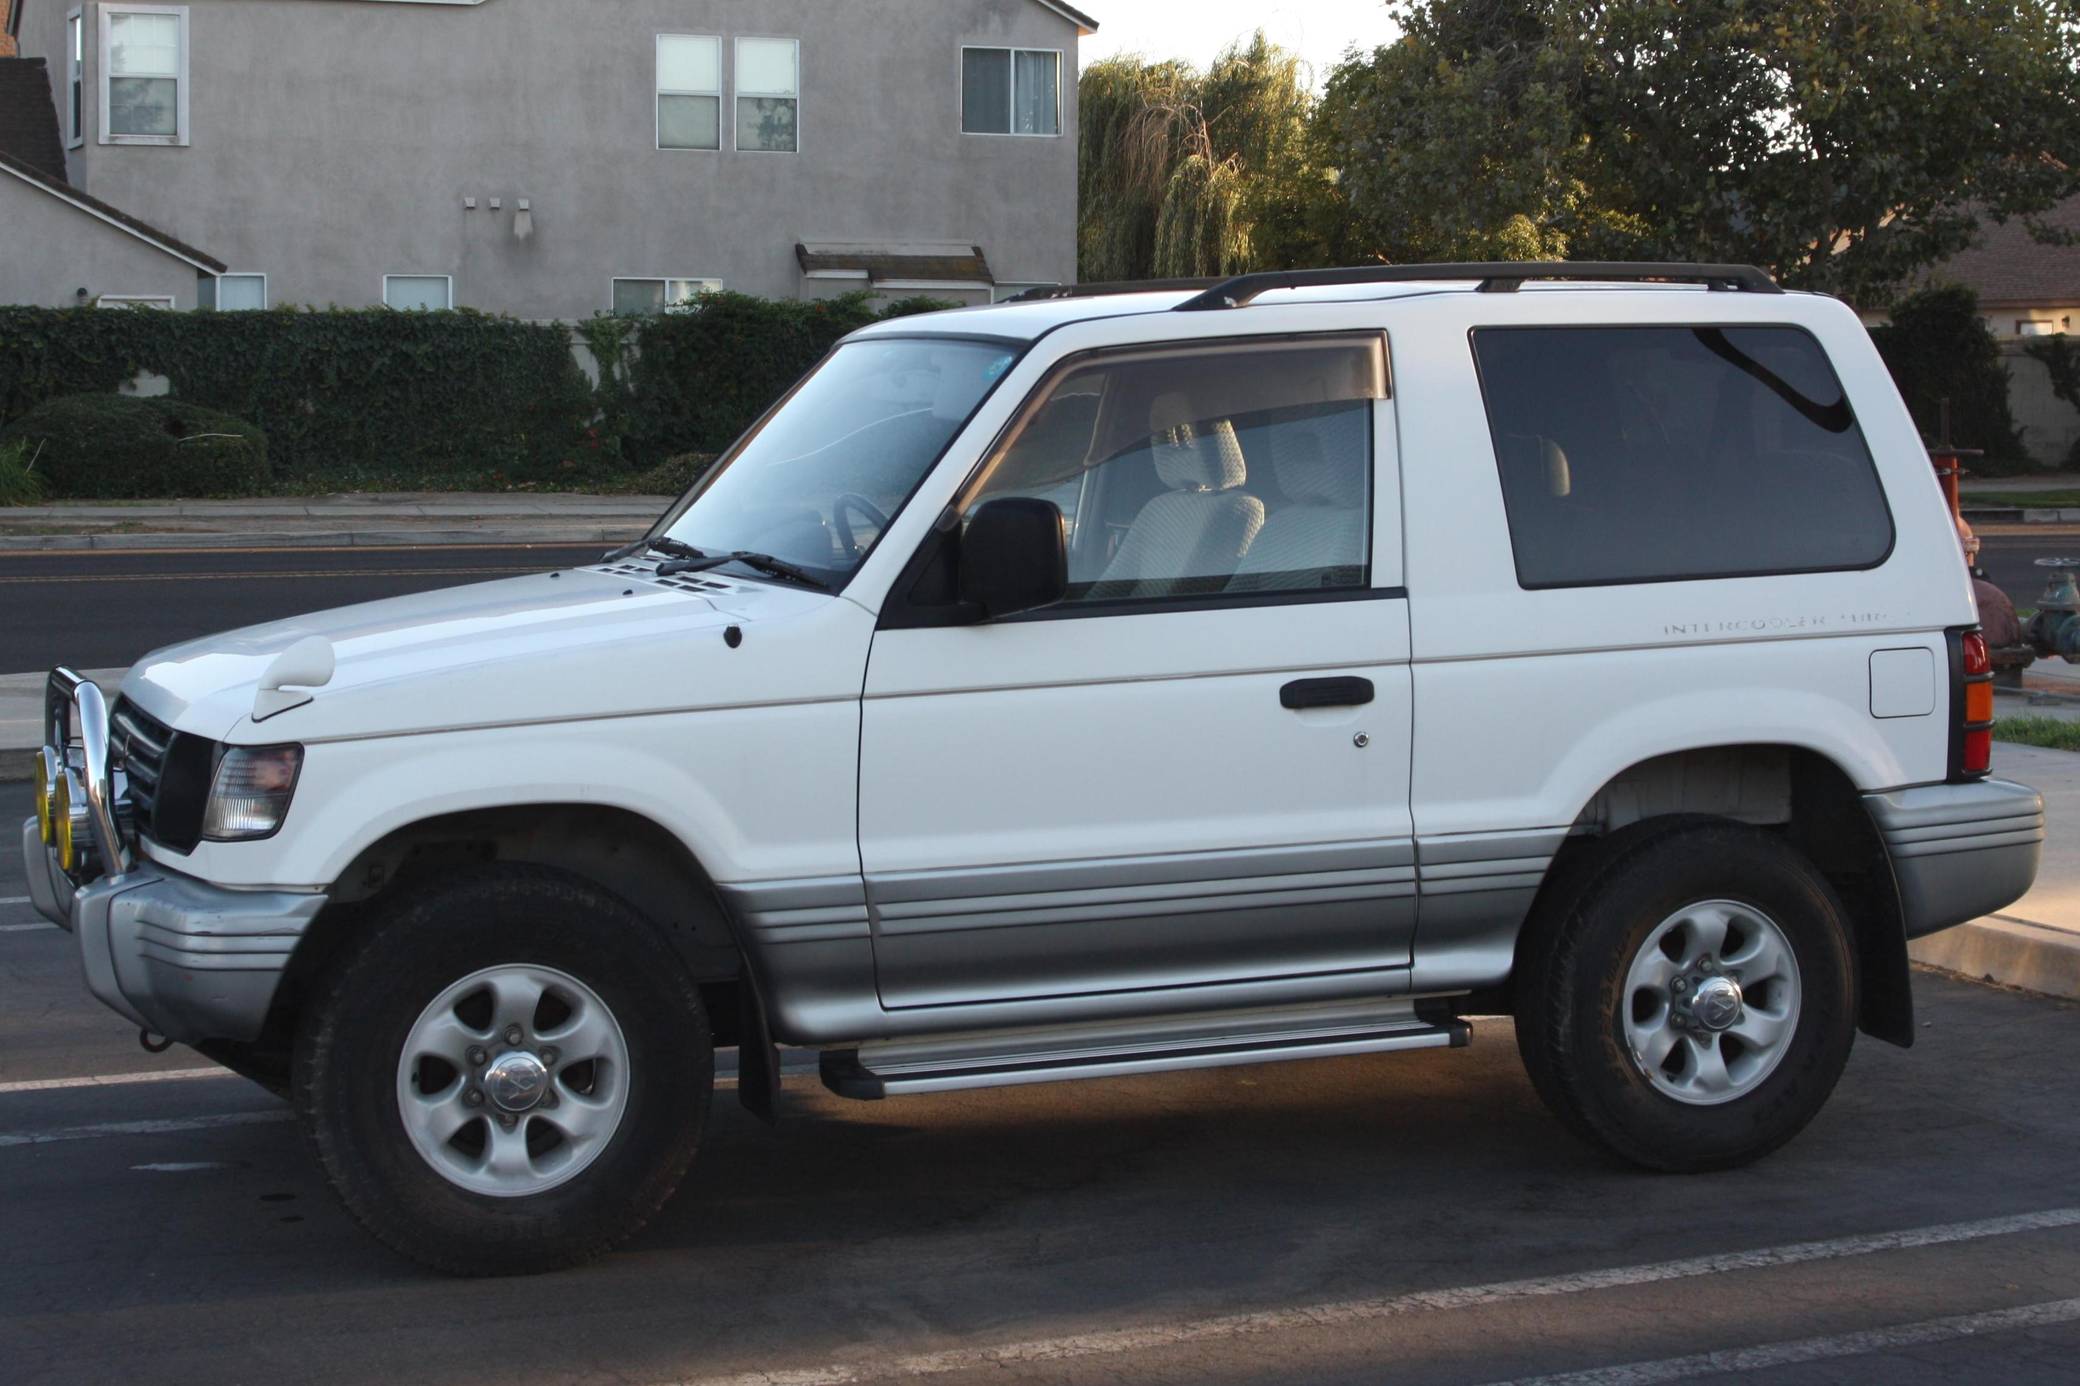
x: 1693, y: 1005
x: 509, y: 1073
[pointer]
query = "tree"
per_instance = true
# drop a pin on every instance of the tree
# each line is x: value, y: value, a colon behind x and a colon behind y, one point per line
x: 1844, y: 147
x: 1184, y: 173
x: 1939, y: 351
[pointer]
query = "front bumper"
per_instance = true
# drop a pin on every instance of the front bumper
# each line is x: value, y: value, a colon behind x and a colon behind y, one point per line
x: 182, y: 958
x: 1960, y: 851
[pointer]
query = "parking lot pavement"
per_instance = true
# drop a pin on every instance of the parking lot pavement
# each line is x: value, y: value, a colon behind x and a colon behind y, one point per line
x: 1390, y: 1219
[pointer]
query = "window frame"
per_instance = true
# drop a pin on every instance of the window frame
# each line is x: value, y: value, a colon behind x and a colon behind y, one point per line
x: 658, y: 92
x: 448, y: 279
x: 737, y: 92
x: 1686, y: 325
x: 899, y: 612
x: 76, y: 77
x: 960, y: 93
x: 105, y: 23
x: 667, y: 280
x: 217, y: 291
x: 165, y: 302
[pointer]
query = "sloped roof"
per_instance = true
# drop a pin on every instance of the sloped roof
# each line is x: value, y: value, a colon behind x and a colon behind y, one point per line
x: 1083, y: 22
x: 29, y: 118
x: 2008, y: 266
x: 122, y: 221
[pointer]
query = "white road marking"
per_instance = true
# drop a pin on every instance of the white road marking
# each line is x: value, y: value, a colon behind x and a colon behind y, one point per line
x: 14, y: 899
x: 25, y: 928
x: 1229, y: 1326
x: 139, y: 1128
x: 109, y: 1080
x: 1776, y: 1355
x: 184, y: 1166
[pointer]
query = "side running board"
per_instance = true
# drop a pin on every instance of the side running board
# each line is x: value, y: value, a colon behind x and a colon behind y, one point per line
x: 1000, y: 1059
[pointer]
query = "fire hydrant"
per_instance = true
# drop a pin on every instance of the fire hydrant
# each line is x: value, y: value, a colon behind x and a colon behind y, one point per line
x: 2055, y: 629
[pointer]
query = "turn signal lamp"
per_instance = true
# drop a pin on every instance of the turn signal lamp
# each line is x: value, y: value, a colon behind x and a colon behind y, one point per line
x: 1973, y: 741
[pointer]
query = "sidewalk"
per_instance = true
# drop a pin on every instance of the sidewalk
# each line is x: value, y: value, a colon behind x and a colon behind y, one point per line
x: 1981, y: 514
x: 372, y: 519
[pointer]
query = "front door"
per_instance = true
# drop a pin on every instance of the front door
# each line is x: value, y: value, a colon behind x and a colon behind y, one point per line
x: 1195, y: 769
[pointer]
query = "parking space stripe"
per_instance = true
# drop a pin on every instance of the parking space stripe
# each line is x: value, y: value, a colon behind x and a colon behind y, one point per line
x: 1778, y: 1355
x: 1183, y: 1332
x: 105, y: 1080
x: 140, y: 1128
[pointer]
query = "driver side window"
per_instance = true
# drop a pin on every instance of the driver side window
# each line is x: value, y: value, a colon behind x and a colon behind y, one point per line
x: 1199, y: 473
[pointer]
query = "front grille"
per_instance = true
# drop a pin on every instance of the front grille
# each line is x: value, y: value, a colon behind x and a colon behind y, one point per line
x: 167, y: 774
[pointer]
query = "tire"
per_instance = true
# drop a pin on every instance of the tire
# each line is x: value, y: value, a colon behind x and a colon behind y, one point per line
x: 607, y: 978
x: 1603, y: 983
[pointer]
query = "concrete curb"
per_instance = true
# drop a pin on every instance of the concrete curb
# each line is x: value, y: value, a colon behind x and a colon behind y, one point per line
x: 2007, y: 950
x: 2018, y: 515
x: 510, y: 537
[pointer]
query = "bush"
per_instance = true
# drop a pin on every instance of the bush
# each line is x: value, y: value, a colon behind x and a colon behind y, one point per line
x: 1938, y: 348
x: 113, y: 447
x: 672, y: 477
x: 20, y: 482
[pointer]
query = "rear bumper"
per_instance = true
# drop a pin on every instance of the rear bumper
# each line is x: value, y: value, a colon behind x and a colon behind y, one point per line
x: 180, y: 957
x: 1960, y: 851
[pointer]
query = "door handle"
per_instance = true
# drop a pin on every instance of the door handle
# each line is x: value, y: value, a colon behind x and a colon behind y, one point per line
x: 1338, y: 692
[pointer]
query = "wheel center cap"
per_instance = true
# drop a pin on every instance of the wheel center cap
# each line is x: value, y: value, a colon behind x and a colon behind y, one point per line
x: 516, y: 1081
x: 1716, y: 1003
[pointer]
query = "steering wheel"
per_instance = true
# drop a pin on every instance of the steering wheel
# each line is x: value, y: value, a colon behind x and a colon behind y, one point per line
x: 860, y: 506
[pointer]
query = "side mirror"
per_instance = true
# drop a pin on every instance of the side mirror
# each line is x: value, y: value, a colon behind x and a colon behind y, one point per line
x: 1013, y: 557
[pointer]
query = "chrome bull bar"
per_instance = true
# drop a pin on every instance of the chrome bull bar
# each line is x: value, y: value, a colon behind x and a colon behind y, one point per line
x: 71, y: 699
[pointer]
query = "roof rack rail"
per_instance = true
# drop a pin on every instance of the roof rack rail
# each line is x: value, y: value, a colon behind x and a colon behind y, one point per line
x: 1048, y: 292
x: 1496, y: 276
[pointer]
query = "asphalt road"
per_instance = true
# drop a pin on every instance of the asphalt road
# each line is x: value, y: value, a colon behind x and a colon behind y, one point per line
x: 101, y: 610
x: 1400, y: 1218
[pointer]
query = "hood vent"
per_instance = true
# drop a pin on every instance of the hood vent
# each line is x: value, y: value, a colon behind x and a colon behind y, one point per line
x: 685, y: 582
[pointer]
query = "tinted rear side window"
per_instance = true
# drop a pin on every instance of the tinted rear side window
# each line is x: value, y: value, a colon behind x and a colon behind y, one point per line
x: 1656, y: 454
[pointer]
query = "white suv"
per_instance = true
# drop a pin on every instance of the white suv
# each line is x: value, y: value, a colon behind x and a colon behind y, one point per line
x: 1097, y: 684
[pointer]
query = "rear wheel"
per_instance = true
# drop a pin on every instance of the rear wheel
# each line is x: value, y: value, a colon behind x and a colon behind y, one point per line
x: 509, y: 1073
x: 1694, y: 1003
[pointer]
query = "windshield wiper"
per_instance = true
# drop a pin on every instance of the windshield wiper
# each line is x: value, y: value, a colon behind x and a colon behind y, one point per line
x: 665, y: 546
x: 763, y: 562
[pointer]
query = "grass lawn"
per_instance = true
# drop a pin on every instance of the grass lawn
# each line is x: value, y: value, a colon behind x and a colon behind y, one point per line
x: 2039, y: 731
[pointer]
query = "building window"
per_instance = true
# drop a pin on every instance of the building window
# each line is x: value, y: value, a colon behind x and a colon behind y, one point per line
x: 134, y: 301
x: 234, y: 293
x: 1011, y: 91
x: 144, y: 74
x: 2035, y: 327
x: 644, y: 296
x: 424, y: 292
x: 76, y: 80
x: 689, y: 91
x: 768, y: 91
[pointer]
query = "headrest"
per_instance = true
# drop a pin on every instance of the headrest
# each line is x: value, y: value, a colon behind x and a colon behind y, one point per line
x: 1193, y: 455
x: 1307, y: 477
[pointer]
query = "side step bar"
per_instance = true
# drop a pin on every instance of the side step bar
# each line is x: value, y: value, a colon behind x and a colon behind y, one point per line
x: 986, y: 1061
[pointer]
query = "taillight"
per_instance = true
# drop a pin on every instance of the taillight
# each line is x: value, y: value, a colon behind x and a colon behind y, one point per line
x: 1971, y: 736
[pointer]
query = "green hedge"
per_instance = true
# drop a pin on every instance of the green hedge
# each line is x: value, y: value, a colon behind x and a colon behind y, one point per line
x: 1938, y: 347
x: 371, y: 399
x: 114, y: 447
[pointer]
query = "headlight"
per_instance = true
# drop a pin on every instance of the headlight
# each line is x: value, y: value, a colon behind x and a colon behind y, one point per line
x: 250, y: 795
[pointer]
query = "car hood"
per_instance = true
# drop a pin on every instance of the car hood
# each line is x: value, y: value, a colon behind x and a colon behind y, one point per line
x: 580, y: 643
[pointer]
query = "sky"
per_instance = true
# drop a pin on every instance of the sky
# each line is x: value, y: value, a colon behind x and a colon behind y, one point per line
x: 1319, y: 30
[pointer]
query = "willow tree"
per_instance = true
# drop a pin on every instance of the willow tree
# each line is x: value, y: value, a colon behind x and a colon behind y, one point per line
x: 1189, y: 173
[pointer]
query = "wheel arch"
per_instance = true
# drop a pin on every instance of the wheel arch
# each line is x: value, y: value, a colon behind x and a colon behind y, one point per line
x: 1795, y: 790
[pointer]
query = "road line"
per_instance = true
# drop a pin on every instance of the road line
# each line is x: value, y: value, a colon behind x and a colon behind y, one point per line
x: 140, y: 1128
x: 14, y: 899
x: 1313, y: 1317
x: 25, y: 928
x: 1776, y: 1355
x: 506, y: 571
x: 109, y: 1080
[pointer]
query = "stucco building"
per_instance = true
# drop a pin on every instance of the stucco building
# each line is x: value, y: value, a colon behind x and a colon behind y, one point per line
x: 548, y: 160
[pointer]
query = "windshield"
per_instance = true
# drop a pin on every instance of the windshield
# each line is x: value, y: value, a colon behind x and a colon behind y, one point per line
x: 820, y: 479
